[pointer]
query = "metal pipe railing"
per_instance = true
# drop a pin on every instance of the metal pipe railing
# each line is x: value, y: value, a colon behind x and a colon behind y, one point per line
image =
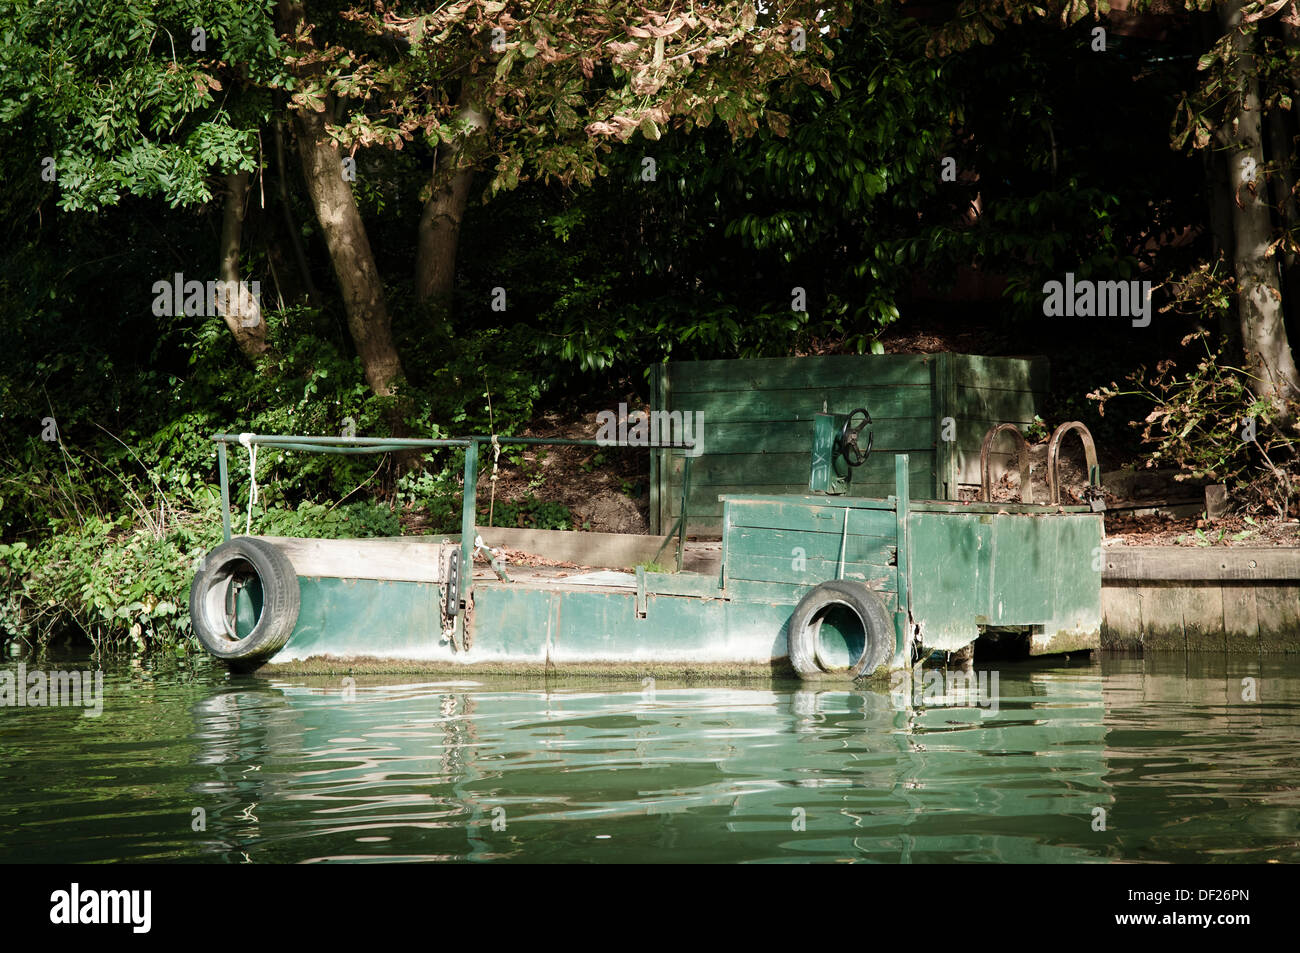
x: 340, y: 444
x: 381, y: 444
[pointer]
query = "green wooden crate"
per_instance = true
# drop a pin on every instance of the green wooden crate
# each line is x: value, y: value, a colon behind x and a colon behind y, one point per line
x: 758, y: 420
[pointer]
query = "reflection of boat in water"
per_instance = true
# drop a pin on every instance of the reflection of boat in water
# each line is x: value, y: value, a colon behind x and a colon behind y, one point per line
x: 827, y: 585
x: 319, y: 754
x: 409, y: 769
x: 936, y: 783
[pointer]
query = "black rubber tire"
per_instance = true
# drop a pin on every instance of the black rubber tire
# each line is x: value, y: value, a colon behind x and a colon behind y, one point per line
x: 805, y: 623
x: 281, y: 601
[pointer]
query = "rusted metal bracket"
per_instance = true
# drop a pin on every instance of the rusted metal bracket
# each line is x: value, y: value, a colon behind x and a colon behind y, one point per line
x: 449, y: 570
x: 1093, y: 493
x: 986, y: 483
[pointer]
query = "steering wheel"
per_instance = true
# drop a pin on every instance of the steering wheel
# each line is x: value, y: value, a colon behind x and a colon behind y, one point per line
x: 854, y: 454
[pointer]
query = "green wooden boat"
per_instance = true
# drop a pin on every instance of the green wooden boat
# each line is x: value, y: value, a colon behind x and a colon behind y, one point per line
x: 822, y: 584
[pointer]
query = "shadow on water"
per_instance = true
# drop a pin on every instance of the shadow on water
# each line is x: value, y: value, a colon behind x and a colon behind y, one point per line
x: 1157, y: 759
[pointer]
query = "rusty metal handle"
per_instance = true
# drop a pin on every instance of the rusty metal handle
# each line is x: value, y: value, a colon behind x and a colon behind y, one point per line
x: 986, y: 484
x: 1054, y: 458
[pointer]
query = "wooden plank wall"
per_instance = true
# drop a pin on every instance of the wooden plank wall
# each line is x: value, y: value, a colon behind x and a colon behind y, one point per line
x: 758, y: 422
x: 989, y: 391
x: 798, y: 544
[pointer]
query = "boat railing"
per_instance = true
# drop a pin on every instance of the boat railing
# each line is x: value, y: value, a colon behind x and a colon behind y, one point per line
x: 469, y: 499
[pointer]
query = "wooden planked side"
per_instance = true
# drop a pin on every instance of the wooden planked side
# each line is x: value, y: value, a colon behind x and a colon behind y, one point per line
x: 759, y: 415
x: 400, y: 559
x: 995, y: 404
x: 706, y: 517
x: 991, y: 391
x: 776, y: 405
x: 1256, y: 564
x: 807, y: 571
x: 1121, y: 622
x: 786, y: 469
x: 1003, y: 373
x: 1203, y: 619
x: 1162, y: 617
x: 945, y: 414
x: 658, y: 455
x: 789, y: 594
x: 706, y: 511
x: 886, y: 370
x: 1278, y: 611
x: 802, y: 517
x: 1240, y: 618
x: 769, y: 542
x: 892, y: 435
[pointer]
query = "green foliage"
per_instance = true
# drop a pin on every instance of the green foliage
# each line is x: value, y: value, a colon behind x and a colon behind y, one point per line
x: 345, y: 521
x: 437, y: 493
x: 1036, y: 431
x: 115, y: 582
x: 122, y: 101
x: 839, y: 193
x: 699, y: 256
x: 1207, y: 422
x: 529, y: 512
x: 560, y: 82
x: 1223, y: 535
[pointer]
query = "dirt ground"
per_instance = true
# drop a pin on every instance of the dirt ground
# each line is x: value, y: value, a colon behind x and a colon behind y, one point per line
x: 1226, y: 531
x: 607, y: 489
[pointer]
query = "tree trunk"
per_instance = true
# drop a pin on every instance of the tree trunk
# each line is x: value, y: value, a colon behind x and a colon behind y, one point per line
x: 290, y: 225
x: 241, y: 310
x: 1259, y: 295
x: 343, y: 231
x: 1220, y: 193
x: 1282, y: 180
x: 439, y: 230
x: 350, y: 254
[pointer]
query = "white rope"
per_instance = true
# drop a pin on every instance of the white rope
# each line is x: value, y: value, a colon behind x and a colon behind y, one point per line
x: 492, y: 497
x: 245, y: 441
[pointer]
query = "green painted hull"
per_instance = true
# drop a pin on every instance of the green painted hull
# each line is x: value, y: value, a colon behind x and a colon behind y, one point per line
x: 528, y: 627
x: 965, y: 570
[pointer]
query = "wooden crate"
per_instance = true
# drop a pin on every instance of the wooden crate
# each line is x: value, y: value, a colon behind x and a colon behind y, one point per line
x: 758, y: 423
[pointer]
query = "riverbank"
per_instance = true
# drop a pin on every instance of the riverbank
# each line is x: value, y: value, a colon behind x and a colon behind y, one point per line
x: 1235, y: 599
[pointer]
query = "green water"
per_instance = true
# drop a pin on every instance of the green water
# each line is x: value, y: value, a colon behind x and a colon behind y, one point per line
x: 293, y: 770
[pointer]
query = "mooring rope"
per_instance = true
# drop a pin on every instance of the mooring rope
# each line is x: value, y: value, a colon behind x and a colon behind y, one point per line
x: 245, y: 441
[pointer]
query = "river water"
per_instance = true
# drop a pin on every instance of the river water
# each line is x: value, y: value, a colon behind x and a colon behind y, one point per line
x: 1167, y: 758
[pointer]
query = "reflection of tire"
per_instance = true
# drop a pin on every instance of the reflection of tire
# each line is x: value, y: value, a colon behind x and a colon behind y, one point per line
x: 853, y: 601
x: 213, y: 622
